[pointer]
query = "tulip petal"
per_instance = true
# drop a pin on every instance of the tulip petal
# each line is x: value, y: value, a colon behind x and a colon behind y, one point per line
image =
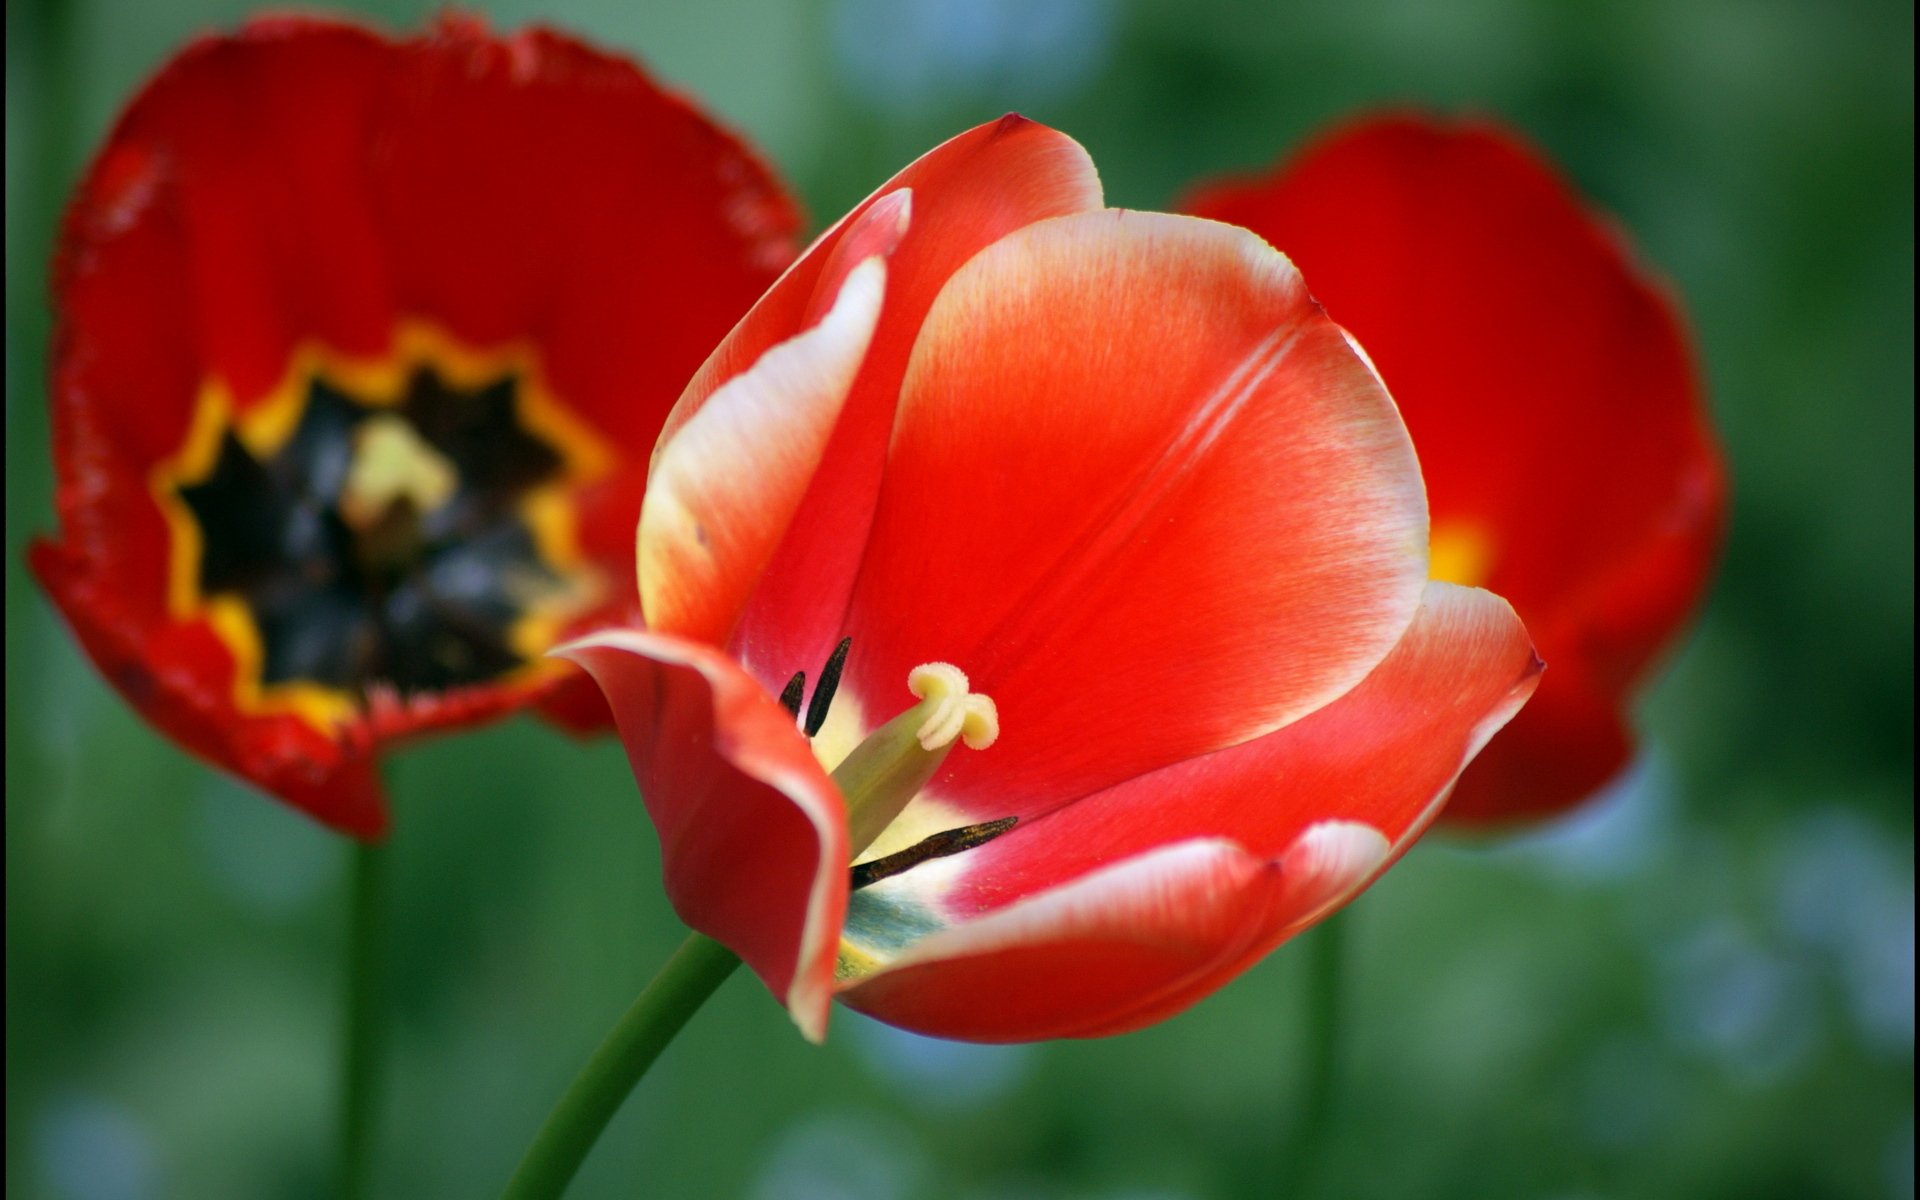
x: 967, y: 193
x: 725, y: 487
x: 1145, y: 495
x: 1550, y: 387
x: 1078, y: 960
x: 1385, y: 754
x: 1381, y: 758
x: 307, y: 187
x: 753, y: 834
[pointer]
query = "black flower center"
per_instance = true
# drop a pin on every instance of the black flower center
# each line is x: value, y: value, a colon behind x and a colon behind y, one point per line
x: 384, y: 543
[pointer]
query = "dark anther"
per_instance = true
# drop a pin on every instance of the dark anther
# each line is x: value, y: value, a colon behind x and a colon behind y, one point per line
x: 829, y: 683
x: 953, y: 841
x: 790, y: 695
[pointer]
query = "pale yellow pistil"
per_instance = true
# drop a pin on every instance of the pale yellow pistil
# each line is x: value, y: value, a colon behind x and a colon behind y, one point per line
x: 392, y: 466
x: 396, y: 478
x: 887, y: 770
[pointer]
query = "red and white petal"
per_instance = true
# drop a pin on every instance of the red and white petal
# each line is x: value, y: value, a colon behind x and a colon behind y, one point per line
x: 1385, y: 754
x: 1567, y: 743
x: 753, y: 834
x: 1146, y: 495
x: 725, y: 487
x: 967, y: 194
x: 1081, y: 959
x: 1548, y: 382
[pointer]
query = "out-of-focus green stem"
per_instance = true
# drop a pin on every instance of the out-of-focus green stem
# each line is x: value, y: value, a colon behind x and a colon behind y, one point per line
x: 363, y: 1034
x: 1321, y: 1053
x: 696, y: 969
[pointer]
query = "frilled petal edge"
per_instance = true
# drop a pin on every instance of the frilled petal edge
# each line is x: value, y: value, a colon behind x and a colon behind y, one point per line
x: 753, y: 834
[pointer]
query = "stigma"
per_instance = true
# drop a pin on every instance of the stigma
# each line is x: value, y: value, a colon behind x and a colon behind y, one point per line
x: 956, y: 712
x: 393, y: 466
x: 887, y: 770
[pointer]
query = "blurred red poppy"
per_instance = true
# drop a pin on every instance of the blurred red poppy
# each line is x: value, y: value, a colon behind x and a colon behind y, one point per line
x: 1553, y: 396
x: 1132, y: 519
x: 360, y: 345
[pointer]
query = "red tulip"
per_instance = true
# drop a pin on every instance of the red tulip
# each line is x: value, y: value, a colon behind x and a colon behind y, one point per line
x: 358, y: 339
x: 1102, y: 496
x: 1550, y: 388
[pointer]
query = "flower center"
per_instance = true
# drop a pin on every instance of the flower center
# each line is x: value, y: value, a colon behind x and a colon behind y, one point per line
x: 385, y: 540
x: 894, y: 763
x: 887, y: 770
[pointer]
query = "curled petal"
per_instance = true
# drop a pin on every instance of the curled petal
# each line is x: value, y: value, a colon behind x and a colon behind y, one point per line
x: 1083, y: 959
x: 753, y: 835
x: 726, y: 485
x: 1385, y: 754
x: 1381, y: 759
x: 968, y: 192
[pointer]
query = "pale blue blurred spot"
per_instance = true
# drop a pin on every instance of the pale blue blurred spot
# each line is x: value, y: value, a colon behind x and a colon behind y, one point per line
x: 939, y: 1074
x: 263, y: 856
x: 843, y: 1156
x: 1845, y: 893
x: 1729, y: 998
x: 91, y: 1149
x: 912, y: 54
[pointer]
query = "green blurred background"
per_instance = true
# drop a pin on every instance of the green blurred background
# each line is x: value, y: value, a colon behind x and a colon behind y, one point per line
x: 1702, y: 987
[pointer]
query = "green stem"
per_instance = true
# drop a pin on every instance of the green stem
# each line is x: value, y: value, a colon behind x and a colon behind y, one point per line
x: 363, y: 1036
x: 1322, y: 1052
x: 696, y: 969
x: 1324, y: 1004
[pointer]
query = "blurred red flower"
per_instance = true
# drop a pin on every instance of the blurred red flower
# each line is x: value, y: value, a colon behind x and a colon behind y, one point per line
x: 1132, y: 519
x: 1552, y: 394
x: 360, y: 345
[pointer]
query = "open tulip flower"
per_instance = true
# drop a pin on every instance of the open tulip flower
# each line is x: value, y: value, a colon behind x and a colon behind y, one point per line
x: 1037, y: 619
x: 360, y: 343
x: 1549, y: 386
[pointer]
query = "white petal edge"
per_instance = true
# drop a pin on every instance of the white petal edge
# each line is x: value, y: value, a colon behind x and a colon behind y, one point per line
x: 764, y: 430
x: 808, y: 1003
x: 1333, y: 860
x: 1441, y: 593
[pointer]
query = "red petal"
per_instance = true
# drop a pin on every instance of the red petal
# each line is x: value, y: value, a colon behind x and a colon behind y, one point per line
x: 305, y: 181
x: 180, y: 677
x: 1381, y: 758
x: 726, y: 485
x: 1145, y: 495
x: 967, y: 193
x: 753, y: 834
x: 1548, y: 383
x: 1083, y: 959
x: 1384, y: 755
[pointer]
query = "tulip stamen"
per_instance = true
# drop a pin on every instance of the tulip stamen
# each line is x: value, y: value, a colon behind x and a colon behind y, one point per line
x: 790, y: 695
x: 829, y: 684
x: 940, y: 845
x: 885, y: 772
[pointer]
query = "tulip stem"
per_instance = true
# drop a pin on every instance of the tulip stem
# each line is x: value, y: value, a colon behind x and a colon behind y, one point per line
x: 363, y: 1036
x: 1326, y: 998
x: 696, y: 969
